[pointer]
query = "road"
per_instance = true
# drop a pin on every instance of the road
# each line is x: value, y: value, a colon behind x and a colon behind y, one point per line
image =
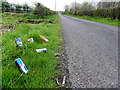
x: 92, y: 52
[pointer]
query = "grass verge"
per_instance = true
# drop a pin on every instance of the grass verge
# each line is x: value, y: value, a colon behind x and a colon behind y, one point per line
x: 41, y: 66
x: 99, y: 19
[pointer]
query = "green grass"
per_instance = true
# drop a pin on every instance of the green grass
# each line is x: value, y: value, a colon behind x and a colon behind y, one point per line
x: 41, y: 66
x: 98, y: 19
x: 0, y: 20
x: 11, y: 20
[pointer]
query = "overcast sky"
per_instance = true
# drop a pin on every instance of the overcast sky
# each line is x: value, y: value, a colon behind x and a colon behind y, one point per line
x: 51, y: 3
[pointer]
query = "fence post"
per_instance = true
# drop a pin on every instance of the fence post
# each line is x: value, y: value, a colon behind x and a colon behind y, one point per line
x: 25, y: 8
x: 3, y: 8
x: 10, y: 8
x: 14, y: 8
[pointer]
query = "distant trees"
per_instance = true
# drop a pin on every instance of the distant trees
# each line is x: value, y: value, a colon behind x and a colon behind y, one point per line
x: 5, y: 7
x: 42, y: 11
x: 8, y: 7
x: 26, y: 8
x: 79, y: 9
x: 108, y: 9
x: 107, y: 4
x: 39, y: 10
x: 19, y: 8
x: 100, y: 9
x: 67, y: 9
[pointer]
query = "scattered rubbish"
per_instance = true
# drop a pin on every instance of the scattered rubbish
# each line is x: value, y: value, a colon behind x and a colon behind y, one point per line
x: 19, y: 42
x: 21, y: 65
x: 41, y: 50
x: 57, y: 55
x: 30, y: 40
x: 43, y: 38
x: 63, y: 82
x: 58, y: 82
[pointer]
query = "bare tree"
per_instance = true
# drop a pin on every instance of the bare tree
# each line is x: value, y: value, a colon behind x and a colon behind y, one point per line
x: 86, y: 6
x: 40, y: 10
x: 74, y: 8
x: 107, y: 4
x: 67, y: 8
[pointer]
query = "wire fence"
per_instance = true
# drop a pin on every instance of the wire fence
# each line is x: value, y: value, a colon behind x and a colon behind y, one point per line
x: 13, y: 8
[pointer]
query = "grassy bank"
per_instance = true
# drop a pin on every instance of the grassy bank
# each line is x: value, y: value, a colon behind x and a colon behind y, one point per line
x: 12, y: 20
x: 98, y: 19
x: 41, y: 66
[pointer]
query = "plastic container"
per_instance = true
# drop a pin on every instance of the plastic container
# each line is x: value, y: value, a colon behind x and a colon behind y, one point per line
x: 30, y: 40
x: 41, y: 50
x: 43, y: 38
x: 19, y: 42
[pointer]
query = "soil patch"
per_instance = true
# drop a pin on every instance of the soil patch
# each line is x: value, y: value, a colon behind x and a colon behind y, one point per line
x: 38, y: 21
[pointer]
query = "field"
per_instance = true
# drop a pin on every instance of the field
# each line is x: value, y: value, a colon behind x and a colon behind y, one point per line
x: 41, y: 66
x: 99, y: 19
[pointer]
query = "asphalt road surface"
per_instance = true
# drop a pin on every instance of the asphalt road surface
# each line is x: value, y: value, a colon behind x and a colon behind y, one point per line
x: 92, y: 52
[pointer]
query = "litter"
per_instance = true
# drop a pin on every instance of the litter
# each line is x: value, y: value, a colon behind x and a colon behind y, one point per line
x: 21, y: 66
x: 63, y: 82
x: 19, y: 42
x: 30, y: 40
x: 41, y: 50
x: 57, y: 55
x: 43, y: 38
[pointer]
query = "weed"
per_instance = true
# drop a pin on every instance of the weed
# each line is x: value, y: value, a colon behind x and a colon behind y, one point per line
x: 99, y: 19
x: 41, y: 66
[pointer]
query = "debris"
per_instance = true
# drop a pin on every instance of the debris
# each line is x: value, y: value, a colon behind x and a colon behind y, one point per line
x: 30, y: 40
x: 63, y: 82
x: 57, y: 82
x: 57, y: 55
x: 21, y: 66
x: 19, y: 42
x: 43, y: 38
x: 41, y: 50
